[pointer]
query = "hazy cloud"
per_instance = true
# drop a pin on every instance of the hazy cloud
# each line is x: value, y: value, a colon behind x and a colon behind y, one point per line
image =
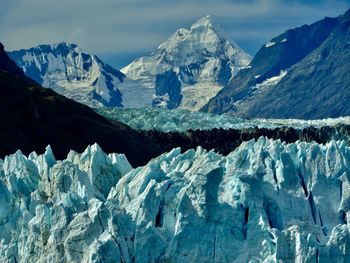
x: 120, y: 30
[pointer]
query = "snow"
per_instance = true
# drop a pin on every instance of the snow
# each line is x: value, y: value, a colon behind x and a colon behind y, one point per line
x: 270, y: 82
x: 201, y: 56
x: 135, y: 95
x: 270, y: 44
x: 197, y: 55
x: 196, y: 96
x: 266, y: 201
x: 182, y: 120
x: 73, y: 73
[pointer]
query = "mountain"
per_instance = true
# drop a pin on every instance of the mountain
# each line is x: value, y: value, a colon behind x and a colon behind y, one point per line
x: 190, y: 67
x: 33, y: 117
x: 9, y: 66
x: 302, y: 73
x: 267, y: 201
x: 72, y: 72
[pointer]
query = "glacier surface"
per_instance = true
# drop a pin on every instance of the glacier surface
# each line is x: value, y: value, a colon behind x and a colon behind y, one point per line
x: 267, y: 201
x: 183, y: 120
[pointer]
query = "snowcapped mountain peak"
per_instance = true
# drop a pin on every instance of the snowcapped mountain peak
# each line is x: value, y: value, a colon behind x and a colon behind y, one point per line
x: 190, y: 67
x: 70, y: 71
x: 205, y: 22
x: 56, y: 48
x: 63, y: 44
x: 204, y: 36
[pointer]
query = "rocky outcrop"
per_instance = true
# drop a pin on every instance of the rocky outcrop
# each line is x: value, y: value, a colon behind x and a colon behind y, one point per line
x: 266, y: 201
x: 168, y: 91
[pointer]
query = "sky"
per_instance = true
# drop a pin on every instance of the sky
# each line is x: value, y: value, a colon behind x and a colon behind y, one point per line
x: 118, y: 31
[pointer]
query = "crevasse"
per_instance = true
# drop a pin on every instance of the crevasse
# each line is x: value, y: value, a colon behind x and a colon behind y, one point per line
x: 267, y: 201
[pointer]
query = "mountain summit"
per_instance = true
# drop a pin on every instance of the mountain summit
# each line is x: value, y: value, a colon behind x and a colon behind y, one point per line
x: 70, y: 71
x: 190, y: 67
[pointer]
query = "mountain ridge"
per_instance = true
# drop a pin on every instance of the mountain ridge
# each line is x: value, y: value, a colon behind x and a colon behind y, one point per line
x: 248, y: 96
x: 67, y: 69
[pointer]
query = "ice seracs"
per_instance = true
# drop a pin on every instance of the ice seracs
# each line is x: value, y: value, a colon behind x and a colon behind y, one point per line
x: 183, y: 120
x: 267, y: 201
x: 201, y: 59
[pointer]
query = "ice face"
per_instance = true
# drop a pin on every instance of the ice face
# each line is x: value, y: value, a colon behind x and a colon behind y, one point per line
x: 183, y: 120
x: 267, y: 201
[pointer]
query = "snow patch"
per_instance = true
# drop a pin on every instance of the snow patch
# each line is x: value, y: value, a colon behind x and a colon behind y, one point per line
x: 196, y: 96
x: 270, y: 44
x: 270, y: 82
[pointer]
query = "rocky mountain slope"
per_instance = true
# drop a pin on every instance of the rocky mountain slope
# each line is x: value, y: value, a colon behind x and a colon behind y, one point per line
x: 70, y: 71
x: 190, y: 67
x: 301, y: 73
x: 266, y: 201
x: 33, y: 117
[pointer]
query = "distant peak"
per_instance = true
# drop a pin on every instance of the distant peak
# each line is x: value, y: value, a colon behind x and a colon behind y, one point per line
x: 206, y: 21
x: 64, y: 44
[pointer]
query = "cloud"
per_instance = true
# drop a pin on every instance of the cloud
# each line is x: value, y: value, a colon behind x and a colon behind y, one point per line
x: 118, y: 27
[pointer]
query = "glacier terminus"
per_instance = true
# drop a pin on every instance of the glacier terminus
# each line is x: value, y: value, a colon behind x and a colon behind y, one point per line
x: 267, y: 201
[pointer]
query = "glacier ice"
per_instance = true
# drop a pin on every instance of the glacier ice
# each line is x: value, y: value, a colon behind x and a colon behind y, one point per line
x: 267, y: 201
x: 183, y: 120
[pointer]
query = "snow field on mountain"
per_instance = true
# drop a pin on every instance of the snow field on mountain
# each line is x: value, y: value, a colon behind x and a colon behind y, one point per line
x: 202, y: 58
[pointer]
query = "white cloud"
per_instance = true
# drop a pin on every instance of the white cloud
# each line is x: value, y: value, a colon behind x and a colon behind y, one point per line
x: 131, y: 26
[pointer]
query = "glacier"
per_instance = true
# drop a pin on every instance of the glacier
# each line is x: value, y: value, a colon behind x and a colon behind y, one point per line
x: 179, y: 120
x: 267, y: 201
